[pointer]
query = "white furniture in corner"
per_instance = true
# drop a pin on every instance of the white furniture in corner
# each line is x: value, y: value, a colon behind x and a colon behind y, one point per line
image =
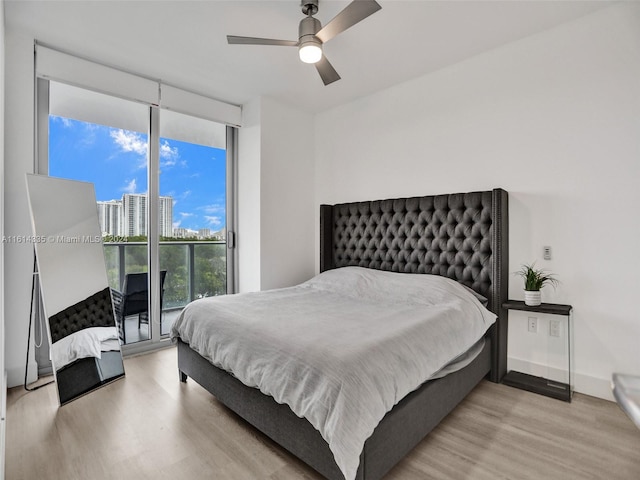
x: 626, y: 390
x: 3, y: 417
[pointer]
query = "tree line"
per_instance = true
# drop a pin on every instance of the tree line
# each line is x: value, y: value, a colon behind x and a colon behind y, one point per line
x: 209, y: 276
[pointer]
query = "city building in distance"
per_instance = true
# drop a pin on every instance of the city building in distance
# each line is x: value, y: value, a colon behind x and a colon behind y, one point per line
x: 128, y: 218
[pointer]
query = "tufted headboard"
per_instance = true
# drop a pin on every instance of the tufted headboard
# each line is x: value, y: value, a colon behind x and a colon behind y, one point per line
x: 94, y: 311
x: 463, y: 236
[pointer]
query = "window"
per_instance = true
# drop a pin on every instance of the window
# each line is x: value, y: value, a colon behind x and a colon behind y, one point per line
x: 162, y: 182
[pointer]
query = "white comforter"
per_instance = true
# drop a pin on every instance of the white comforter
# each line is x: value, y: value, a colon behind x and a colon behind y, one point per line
x: 341, y: 349
x: 88, y: 342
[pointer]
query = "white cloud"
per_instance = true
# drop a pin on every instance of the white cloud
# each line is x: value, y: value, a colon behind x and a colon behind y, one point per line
x: 185, y: 214
x: 129, y: 141
x: 134, y: 142
x: 130, y: 187
x: 214, y: 208
x: 89, y: 135
x: 213, y: 221
x: 66, y: 123
x: 168, y: 154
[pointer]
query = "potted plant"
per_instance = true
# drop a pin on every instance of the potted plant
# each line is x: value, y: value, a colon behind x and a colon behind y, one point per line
x: 534, y: 280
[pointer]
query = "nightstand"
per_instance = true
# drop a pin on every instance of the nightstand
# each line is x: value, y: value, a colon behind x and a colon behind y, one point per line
x: 531, y: 383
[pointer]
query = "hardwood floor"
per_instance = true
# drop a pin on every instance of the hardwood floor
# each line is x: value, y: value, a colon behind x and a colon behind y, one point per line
x: 150, y: 426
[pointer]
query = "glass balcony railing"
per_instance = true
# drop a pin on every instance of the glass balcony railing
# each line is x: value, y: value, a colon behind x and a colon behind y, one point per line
x: 195, y: 269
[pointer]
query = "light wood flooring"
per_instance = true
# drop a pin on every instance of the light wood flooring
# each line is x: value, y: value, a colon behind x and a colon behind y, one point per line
x: 150, y: 426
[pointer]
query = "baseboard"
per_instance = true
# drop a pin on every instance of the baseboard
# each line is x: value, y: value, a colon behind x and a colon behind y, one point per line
x: 586, y: 384
x: 15, y: 375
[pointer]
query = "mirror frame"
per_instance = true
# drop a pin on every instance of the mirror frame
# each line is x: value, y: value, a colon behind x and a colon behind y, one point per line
x: 81, y: 323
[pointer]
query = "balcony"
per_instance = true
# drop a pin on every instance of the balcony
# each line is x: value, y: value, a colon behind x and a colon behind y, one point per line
x: 195, y: 269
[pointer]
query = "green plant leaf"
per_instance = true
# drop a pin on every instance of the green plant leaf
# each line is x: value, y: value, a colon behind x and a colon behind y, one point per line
x: 535, y: 279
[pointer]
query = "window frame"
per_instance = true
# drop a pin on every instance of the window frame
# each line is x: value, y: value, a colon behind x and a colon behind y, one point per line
x: 41, y: 166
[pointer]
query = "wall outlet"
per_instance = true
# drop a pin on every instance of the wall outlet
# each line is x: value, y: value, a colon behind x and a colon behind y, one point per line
x: 532, y: 324
x: 554, y: 328
x: 546, y: 253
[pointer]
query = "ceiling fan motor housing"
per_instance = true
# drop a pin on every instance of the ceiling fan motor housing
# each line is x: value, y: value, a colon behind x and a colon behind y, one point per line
x: 309, y: 7
x: 309, y: 26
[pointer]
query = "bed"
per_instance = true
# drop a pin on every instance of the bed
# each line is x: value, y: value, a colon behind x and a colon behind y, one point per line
x: 461, y: 237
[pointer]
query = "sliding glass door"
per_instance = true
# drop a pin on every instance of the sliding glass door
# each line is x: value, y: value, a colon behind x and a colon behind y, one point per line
x: 161, y: 181
x: 192, y: 211
x: 103, y: 140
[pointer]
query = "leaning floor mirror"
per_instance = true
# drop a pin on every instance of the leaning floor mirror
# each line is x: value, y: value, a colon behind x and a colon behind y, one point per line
x: 84, y: 340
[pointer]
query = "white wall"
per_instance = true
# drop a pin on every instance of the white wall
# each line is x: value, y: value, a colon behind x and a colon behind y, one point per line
x: 275, y: 165
x: 555, y: 120
x: 3, y: 387
x: 249, y: 198
x: 18, y: 151
x: 286, y: 196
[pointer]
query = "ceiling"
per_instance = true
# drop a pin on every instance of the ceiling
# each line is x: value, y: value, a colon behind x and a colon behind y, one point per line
x: 183, y: 42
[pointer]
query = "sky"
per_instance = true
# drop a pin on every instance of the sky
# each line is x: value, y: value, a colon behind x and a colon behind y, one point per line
x: 115, y: 161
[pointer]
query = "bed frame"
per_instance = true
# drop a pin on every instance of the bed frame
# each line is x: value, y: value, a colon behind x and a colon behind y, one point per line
x: 461, y: 236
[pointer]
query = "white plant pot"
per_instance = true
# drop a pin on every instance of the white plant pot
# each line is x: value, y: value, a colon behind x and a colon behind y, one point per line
x: 533, y: 299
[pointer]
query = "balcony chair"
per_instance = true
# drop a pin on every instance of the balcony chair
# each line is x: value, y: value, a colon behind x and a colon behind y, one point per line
x: 134, y: 299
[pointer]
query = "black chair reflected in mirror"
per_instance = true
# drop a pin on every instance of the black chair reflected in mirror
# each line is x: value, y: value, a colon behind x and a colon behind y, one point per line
x: 134, y: 300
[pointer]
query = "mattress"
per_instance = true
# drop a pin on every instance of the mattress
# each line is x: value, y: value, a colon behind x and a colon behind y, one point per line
x: 341, y: 349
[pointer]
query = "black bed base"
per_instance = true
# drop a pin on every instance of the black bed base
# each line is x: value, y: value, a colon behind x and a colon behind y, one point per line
x: 462, y: 236
x: 397, y: 434
x: 87, y: 374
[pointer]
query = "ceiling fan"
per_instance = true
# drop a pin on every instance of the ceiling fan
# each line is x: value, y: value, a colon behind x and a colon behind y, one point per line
x: 312, y: 35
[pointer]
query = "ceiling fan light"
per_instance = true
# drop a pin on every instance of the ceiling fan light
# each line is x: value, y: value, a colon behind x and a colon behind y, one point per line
x: 310, y: 52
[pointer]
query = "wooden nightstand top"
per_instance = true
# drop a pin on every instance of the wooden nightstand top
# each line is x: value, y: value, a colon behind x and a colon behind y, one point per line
x: 552, y: 308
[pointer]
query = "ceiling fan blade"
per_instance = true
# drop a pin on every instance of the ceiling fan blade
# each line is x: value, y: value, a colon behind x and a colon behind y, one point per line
x: 353, y: 13
x: 234, y: 40
x: 326, y: 71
